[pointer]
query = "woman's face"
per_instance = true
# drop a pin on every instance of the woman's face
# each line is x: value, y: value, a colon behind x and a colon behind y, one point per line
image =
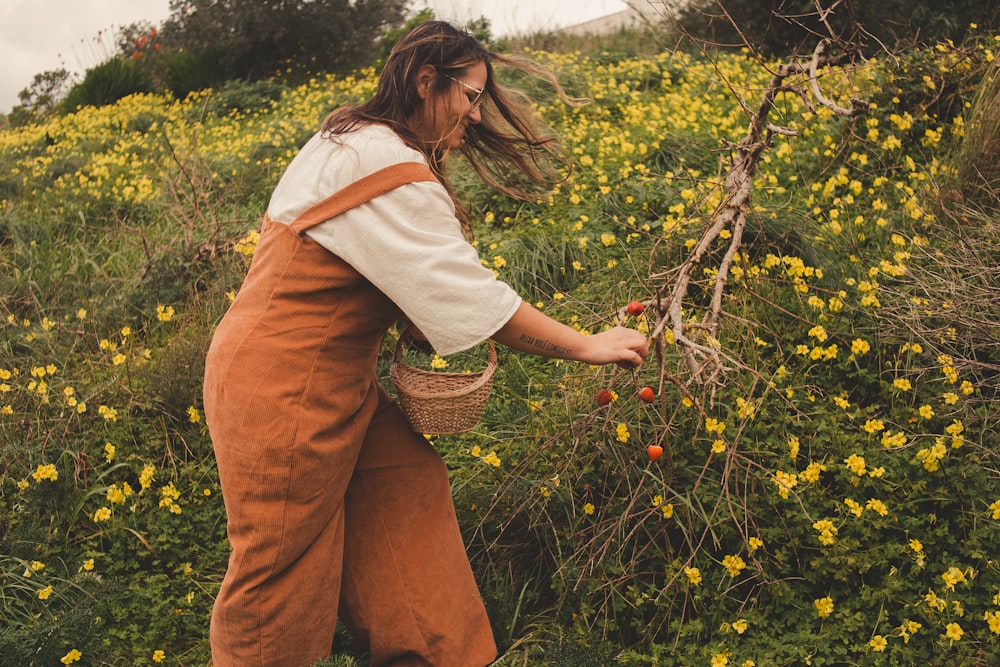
x: 444, y: 117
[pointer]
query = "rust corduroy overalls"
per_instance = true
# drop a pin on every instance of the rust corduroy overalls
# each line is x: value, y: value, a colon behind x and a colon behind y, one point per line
x: 333, y: 502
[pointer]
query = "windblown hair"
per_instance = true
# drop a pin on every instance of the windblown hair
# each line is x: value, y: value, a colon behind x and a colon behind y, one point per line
x: 507, y: 148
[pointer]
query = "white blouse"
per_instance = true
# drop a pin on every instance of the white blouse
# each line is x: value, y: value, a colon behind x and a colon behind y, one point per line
x: 407, y: 242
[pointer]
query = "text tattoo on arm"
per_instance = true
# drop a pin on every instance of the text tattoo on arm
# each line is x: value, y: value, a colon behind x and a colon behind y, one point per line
x: 545, y: 346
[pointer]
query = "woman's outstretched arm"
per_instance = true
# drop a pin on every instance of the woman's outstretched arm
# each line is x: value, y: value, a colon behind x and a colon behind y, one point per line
x: 530, y: 330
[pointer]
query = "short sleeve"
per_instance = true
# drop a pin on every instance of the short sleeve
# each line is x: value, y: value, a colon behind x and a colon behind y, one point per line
x: 409, y: 244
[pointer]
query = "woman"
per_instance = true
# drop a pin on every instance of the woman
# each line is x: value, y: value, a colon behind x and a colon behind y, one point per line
x: 335, y: 506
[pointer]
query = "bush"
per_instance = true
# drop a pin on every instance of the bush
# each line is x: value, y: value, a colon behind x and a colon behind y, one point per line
x: 779, y: 27
x: 187, y: 71
x: 109, y: 82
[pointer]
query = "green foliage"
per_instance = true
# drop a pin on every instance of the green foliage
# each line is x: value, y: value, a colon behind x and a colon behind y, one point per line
x: 785, y: 26
x: 109, y: 82
x: 185, y: 72
x: 45, y: 91
x: 257, y: 40
x: 836, y: 489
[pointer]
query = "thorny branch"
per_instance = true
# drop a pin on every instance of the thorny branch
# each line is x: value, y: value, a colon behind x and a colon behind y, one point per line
x: 697, y: 341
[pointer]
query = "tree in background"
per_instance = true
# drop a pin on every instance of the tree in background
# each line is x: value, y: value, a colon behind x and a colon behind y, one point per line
x: 779, y: 27
x: 255, y: 39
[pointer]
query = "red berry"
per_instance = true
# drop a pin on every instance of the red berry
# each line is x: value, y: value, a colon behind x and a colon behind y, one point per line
x: 654, y: 452
x: 604, y: 397
x: 647, y: 394
x: 635, y: 309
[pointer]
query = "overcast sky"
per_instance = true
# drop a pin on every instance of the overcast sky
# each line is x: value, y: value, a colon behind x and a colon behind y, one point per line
x: 42, y: 35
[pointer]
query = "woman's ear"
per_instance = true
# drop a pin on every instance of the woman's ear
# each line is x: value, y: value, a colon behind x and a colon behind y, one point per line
x: 426, y: 77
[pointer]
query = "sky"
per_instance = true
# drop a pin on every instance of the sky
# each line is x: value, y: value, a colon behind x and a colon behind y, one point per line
x: 42, y: 35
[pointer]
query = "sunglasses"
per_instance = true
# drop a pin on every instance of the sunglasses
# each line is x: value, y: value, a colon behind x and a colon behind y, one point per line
x: 478, y: 99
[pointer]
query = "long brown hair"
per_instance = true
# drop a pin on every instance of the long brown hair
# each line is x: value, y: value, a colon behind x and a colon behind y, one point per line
x: 507, y: 148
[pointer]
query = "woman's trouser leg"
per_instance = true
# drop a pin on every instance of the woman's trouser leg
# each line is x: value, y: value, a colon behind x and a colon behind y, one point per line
x: 277, y: 606
x: 408, y: 590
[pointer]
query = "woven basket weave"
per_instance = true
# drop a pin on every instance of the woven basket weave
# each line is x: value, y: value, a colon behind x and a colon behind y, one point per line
x: 436, y: 402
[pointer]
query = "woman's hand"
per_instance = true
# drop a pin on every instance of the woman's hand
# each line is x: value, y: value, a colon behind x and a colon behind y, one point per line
x: 530, y: 330
x: 625, y: 347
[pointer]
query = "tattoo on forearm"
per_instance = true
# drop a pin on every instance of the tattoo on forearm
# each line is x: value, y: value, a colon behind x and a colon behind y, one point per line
x: 545, y: 346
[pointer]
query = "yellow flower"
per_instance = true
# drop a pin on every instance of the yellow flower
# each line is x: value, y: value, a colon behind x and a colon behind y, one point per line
x: 733, y: 564
x: 819, y: 333
x: 622, y: 432
x: 891, y: 440
x: 102, y: 514
x: 164, y: 313
x: 995, y: 508
x: 47, y: 471
x: 439, y: 363
x: 146, y: 476
x: 856, y: 464
x: 993, y: 619
x: 827, y: 531
x: 902, y: 384
x: 193, y: 415
x: 745, y: 409
x: 158, y: 655
x: 824, y: 606
x: 954, y: 631
x: 720, y: 660
x: 859, y: 346
x: 714, y: 425
x: 88, y: 564
x: 588, y: 508
x: 115, y: 495
x: 926, y: 411
x: 785, y: 482
x: 793, y: 447
x: 953, y: 576
x: 109, y: 452
x: 908, y: 628
x: 45, y: 593
x: 874, y: 425
x: 855, y: 508
x: 813, y: 472
x: 878, y: 643
x: 73, y: 656
x: 877, y: 506
x: 693, y: 574
x: 740, y: 626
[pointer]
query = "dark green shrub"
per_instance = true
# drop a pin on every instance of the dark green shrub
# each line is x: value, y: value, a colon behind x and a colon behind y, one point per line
x: 188, y: 71
x: 109, y: 82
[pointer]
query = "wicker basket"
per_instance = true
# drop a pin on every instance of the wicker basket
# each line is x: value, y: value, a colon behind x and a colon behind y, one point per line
x: 436, y: 402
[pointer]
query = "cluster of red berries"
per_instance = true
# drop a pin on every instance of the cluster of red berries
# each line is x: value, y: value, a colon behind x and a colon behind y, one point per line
x: 646, y: 394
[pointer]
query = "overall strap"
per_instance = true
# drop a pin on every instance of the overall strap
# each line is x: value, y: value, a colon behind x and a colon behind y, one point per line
x: 361, y: 191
